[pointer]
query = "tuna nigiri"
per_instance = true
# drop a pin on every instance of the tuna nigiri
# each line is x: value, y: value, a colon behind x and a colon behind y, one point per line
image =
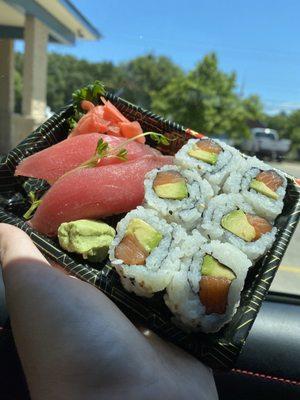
x: 55, y: 161
x: 92, y: 193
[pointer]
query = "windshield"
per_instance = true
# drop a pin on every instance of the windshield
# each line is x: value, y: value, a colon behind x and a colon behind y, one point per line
x: 287, y: 279
x: 213, y: 66
x: 263, y: 135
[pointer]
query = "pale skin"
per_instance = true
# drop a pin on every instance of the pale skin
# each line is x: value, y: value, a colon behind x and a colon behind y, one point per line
x: 74, y: 343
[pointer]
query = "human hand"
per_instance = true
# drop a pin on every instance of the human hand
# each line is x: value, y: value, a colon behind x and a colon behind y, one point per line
x: 74, y: 343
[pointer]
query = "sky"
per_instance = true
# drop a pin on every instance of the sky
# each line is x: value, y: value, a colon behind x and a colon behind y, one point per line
x: 258, y: 39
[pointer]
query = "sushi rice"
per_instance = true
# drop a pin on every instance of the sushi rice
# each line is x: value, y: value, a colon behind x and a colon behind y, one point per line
x: 239, y: 181
x: 224, y: 204
x: 163, y: 261
x: 182, y: 294
x: 187, y: 211
x: 191, y: 231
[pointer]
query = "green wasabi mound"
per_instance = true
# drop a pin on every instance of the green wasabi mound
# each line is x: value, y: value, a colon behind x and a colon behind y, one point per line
x: 212, y: 267
x: 89, y: 238
x: 146, y: 235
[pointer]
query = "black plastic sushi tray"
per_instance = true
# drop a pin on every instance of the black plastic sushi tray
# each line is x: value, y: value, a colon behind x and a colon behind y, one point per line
x: 218, y: 350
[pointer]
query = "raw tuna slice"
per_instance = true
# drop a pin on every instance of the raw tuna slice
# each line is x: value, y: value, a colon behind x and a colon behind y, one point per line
x: 95, y: 193
x: 53, y: 162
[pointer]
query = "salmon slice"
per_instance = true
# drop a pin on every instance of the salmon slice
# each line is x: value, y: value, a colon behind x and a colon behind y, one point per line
x: 260, y: 225
x: 130, y: 251
x: 209, y: 146
x: 166, y: 177
x: 271, y: 179
x: 213, y: 294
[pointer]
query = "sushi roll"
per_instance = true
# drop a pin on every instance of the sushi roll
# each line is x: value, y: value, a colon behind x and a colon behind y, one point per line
x: 205, y: 293
x: 178, y: 195
x: 212, y: 159
x: 147, y: 251
x: 230, y: 219
x: 262, y: 187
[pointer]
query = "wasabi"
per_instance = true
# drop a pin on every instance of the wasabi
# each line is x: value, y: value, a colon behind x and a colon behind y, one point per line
x: 89, y: 238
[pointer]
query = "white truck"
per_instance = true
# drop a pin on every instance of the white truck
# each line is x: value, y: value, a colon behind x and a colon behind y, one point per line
x: 264, y: 142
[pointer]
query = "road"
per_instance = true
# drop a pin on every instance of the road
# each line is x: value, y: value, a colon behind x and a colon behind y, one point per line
x: 287, y: 278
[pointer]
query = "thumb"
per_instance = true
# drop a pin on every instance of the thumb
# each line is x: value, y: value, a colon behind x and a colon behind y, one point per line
x: 15, y: 245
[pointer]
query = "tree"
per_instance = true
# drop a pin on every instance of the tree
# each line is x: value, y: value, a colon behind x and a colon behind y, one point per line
x: 139, y: 79
x: 66, y: 74
x: 205, y: 100
x: 280, y: 122
x: 253, y: 108
x: 293, y: 130
x: 18, y: 81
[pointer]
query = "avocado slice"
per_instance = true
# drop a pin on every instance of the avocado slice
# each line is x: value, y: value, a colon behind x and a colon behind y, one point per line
x: 263, y: 189
x: 146, y: 235
x: 237, y: 223
x: 176, y: 191
x: 212, y: 267
x: 206, y: 156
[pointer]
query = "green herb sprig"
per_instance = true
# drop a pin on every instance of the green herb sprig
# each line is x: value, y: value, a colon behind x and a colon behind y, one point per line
x: 91, y: 93
x: 104, y: 151
x: 34, y: 205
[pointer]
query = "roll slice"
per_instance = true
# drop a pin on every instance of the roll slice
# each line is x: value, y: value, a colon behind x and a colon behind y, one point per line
x: 262, y: 187
x: 205, y: 293
x: 213, y: 159
x: 147, y: 251
x: 178, y: 195
x: 230, y: 219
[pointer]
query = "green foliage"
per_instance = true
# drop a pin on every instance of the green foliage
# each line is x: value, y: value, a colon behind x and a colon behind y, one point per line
x: 205, y: 100
x: 138, y: 79
x: 293, y: 130
x: 91, y: 92
x: 67, y: 74
x: 280, y: 122
x: 18, y: 82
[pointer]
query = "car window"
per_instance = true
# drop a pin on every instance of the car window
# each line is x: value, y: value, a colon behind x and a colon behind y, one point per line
x: 263, y: 135
x: 287, y: 279
x: 213, y: 66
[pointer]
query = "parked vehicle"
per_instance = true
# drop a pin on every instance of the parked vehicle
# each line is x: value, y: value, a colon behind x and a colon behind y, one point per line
x: 265, y: 142
x: 224, y: 137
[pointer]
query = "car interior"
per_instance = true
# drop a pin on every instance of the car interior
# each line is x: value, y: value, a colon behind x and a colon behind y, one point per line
x: 268, y: 366
x: 225, y: 69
